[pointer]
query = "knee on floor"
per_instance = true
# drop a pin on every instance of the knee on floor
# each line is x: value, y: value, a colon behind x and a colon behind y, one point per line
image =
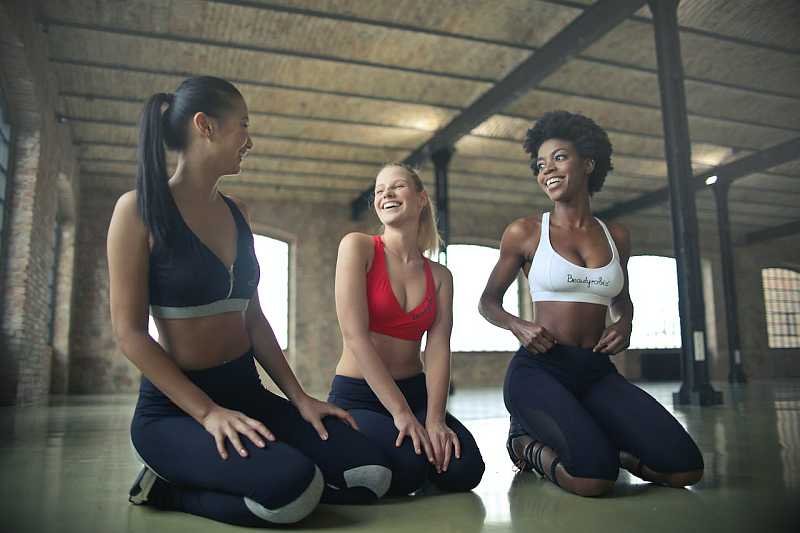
x: 409, y: 473
x: 374, y: 477
x: 462, y: 474
x: 300, y: 506
x: 677, y: 469
x: 588, y: 487
x: 684, y: 479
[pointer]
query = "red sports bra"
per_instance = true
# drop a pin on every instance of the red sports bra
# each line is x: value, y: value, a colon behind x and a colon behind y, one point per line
x: 385, y: 314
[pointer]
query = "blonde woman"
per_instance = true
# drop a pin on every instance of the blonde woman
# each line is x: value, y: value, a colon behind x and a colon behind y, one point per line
x: 388, y: 295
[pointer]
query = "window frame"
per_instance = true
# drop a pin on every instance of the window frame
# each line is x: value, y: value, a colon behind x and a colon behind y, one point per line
x: 790, y: 338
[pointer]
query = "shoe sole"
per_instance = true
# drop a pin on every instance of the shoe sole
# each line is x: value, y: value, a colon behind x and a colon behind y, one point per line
x: 142, y: 486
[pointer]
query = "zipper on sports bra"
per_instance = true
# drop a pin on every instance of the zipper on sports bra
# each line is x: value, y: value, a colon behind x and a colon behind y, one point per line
x: 230, y: 279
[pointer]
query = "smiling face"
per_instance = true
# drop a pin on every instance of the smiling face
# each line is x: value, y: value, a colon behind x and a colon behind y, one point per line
x: 397, y: 199
x: 560, y: 171
x: 229, y: 140
x: 234, y: 139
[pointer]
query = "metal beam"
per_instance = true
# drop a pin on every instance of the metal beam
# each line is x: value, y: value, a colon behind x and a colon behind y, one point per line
x: 441, y: 162
x: 757, y: 162
x: 768, y: 234
x: 695, y: 387
x: 696, y: 31
x: 728, y: 267
x: 587, y: 28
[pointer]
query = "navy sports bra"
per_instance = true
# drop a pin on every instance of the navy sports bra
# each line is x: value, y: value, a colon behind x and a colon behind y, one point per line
x: 188, y: 280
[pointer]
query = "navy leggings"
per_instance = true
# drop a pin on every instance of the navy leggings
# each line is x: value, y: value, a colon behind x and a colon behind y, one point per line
x: 243, y: 491
x: 409, y: 470
x: 574, y: 401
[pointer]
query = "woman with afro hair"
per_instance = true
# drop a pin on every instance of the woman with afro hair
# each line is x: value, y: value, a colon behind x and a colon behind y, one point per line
x: 574, y: 419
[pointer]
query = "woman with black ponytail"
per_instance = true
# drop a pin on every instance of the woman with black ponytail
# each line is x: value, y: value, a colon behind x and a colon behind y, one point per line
x: 214, y: 442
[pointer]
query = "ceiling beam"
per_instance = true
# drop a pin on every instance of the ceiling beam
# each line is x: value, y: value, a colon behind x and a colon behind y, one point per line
x: 695, y: 31
x: 578, y: 35
x: 768, y: 234
x: 757, y: 162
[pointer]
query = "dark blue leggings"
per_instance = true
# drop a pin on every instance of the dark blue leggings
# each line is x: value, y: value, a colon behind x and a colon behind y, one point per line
x: 245, y: 491
x: 574, y: 401
x: 409, y: 470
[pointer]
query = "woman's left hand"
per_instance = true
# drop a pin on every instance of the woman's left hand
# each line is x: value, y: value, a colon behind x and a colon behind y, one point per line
x: 313, y: 411
x: 445, y: 444
x: 615, y: 338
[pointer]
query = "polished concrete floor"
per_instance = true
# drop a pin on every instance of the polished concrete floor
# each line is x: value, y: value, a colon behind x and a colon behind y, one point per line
x: 67, y: 468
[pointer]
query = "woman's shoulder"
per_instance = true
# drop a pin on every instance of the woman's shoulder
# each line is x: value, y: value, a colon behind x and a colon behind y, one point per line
x: 127, y: 201
x: 620, y: 234
x: 357, y: 244
x: 523, y: 232
x: 526, y: 225
x: 357, y: 239
x: 441, y: 274
x: 126, y: 222
x: 126, y: 210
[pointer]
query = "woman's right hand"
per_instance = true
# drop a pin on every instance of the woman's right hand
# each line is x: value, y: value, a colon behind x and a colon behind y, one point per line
x: 533, y: 337
x: 408, y: 426
x: 224, y: 423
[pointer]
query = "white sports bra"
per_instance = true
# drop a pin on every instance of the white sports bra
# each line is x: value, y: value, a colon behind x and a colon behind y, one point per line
x: 554, y: 279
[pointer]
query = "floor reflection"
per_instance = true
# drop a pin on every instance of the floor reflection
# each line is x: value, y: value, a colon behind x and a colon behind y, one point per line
x: 72, y: 459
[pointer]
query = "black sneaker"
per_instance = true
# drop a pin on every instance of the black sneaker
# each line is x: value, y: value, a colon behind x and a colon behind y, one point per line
x: 140, y: 491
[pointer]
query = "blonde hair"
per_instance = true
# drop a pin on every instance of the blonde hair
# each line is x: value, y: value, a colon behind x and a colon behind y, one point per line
x: 428, y: 239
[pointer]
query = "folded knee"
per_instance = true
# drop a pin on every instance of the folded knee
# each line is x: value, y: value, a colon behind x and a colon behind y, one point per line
x: 684, y: 479
x: 409, y: 475
x: 588, y: 487
x: 296, y: 509
x: 462, y: 474
x: 375, y: 478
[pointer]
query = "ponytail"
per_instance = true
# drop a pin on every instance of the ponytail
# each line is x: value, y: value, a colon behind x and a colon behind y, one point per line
x: 167, y: 127
x: 428, y: 238
x: 152, y: 188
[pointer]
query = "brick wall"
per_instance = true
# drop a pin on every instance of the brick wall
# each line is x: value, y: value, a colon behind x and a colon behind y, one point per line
x: 95, y: 365
x: 42, y: 151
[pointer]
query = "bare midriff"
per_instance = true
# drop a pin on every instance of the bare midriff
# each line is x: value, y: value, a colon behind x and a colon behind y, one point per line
x: 204, y: 342
x: 401, y: 357
x: 572, y: 323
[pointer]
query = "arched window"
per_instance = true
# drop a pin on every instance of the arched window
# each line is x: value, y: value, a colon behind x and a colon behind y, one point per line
x: 273, y: 287
x: 782, y: 304
x: 471, y: 266
x: 653, y: 284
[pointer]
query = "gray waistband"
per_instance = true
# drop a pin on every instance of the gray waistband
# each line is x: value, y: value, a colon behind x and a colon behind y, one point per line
x: 214, y: 308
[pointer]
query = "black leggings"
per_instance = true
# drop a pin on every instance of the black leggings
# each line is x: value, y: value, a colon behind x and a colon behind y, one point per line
x: 574, y: 401
x: 276, y: 479
x: 409, y: 470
